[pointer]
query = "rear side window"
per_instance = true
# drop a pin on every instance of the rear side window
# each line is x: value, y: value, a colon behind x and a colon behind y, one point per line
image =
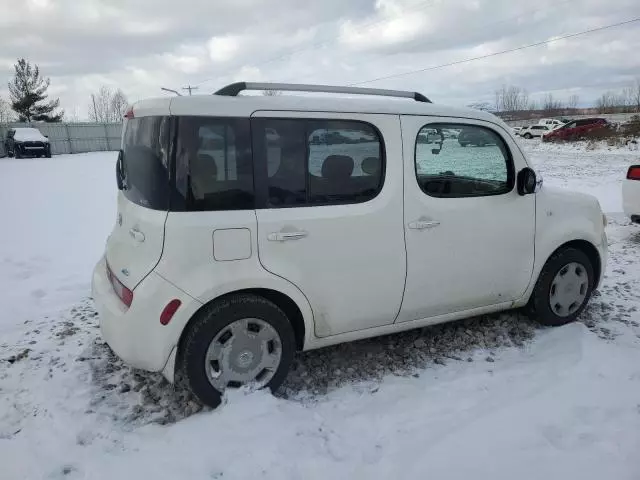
x: 318, y: 162
x: 145, y: 162
x: 214, y: 166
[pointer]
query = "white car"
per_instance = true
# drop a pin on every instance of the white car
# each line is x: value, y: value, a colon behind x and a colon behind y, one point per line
x: 552, y: 123
x: 631, y: 193
x: 516, y: 130
x: 251, y: 227
x: 534, y: 131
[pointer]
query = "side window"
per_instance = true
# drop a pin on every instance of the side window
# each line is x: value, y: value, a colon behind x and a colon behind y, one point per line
x: 214, y: 169
x: 319, y: 162
x: 474, y: 162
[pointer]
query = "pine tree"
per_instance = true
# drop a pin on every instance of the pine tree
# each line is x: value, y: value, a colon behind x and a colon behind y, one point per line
x: 28, y: 95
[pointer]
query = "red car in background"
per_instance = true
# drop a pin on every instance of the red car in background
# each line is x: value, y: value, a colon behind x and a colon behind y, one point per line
x: 575, y: 129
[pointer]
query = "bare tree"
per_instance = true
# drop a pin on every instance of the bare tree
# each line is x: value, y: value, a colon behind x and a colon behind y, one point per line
x: 607, y: 102
x: 271, y: 93
x: 635, y: 95
x: 511, y: 99
x: 551, y: 105
x: 6, y: 115
x: 107, y: 106
x: 573, y: 101
x: 119, y: 104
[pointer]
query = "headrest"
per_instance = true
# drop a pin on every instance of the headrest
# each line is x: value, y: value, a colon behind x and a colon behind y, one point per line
x: 337, y: 167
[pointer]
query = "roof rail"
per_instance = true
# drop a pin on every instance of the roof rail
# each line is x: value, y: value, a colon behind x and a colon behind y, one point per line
x: 233, y: 89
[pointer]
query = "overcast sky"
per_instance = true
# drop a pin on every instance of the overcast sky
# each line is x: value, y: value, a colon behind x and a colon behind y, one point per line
x: 141, y: 45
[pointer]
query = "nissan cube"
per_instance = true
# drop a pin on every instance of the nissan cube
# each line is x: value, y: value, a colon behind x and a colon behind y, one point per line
x: 250, y: 227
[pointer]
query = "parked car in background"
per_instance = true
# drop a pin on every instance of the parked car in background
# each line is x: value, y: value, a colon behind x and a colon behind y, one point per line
x: 533, y: 131
x: 516, y: 130
x: 631, y: 193
x: 552, y: 123
x: 219, y: 270
x: 26, y: 142
x: 576, y: 129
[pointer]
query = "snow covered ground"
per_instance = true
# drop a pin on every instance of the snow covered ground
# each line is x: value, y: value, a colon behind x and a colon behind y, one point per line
x: 495, y: 397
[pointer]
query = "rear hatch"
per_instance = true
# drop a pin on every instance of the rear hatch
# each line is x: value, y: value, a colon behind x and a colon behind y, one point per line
x: 135, y: 246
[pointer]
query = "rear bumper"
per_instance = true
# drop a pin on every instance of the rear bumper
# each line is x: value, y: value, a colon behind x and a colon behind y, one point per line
x: 135, y: 334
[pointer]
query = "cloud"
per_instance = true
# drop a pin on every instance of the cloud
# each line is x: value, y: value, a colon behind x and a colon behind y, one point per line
x: 223, y: 49
x: 142, y: 45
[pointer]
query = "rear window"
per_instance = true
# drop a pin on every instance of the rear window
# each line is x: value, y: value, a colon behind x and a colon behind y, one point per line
x: 145, y: 162
x: 214, y: 165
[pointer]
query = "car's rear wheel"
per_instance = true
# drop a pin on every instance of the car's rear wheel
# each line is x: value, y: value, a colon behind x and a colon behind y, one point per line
x: 238, y: 340
x: 563, y: 288
x: 528, y: 136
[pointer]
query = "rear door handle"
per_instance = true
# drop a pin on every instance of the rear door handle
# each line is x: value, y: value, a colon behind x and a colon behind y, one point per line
x: 137, y: 235
x: 423, y: 224
x: 284, y: 236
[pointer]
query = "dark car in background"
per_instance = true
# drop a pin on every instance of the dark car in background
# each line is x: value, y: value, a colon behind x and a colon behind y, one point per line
x: 26, y: 142
x: 576, y: 129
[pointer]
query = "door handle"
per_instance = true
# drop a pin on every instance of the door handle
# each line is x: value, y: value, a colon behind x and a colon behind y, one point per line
x: 137, y: 235
x: 284, y: 236
x: 423, y: 224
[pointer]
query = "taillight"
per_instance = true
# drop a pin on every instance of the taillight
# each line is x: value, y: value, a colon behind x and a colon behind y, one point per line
x: 129, y: 114
x: 634, y: 172
x: 122, y: 292
x: 169, y: 311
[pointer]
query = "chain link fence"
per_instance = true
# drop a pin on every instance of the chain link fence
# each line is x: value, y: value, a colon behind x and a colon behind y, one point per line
x: 72, y: 137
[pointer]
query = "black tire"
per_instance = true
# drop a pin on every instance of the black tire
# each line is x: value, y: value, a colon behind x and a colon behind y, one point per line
x: 9, y: 154
x: 528, y: 136
x: 539, y: 306
x: 16, y: 152
x: 213, y: 318
x: 48, y: 155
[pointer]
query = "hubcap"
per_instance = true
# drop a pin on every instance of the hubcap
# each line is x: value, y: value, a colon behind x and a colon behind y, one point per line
x: 245, y: 351
x: 568, y: 289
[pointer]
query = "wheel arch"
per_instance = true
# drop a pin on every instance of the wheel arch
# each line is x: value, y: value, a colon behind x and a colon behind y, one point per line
x: 290, y: 308
x: 590, y: 250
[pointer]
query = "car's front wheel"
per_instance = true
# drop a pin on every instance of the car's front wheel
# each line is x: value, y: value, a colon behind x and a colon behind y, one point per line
x: 238, y: 340
x: 528, y: 136
x: 563, y: 288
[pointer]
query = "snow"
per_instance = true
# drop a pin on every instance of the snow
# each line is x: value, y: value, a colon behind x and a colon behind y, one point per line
x: 491, y: 398
x: 29, y: 135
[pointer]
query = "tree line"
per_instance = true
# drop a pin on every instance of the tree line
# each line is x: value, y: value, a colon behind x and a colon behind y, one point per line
x: 29, y: 102
x: 511, y: 99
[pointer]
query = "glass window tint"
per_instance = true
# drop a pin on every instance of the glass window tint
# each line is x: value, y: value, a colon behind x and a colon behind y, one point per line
x: 214, y: 168
x: 145, y: 162
x: 320, y: 162
x: 454, y: 160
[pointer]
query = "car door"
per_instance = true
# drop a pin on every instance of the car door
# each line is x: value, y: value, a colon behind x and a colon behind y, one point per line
x: 469, y: 235
x: 329, y: 189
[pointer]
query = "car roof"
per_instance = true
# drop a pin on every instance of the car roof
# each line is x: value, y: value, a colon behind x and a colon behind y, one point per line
x: 246, y: 105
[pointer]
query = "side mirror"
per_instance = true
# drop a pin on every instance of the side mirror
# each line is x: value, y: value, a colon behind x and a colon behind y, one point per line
x: 527, y: 182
